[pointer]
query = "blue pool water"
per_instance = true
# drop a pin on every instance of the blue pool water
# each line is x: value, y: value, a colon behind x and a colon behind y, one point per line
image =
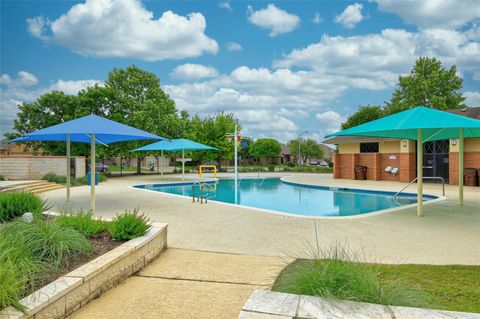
x: 274, y: 194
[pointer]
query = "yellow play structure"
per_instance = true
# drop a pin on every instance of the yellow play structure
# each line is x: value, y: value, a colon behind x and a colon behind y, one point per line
x: 201, y: 167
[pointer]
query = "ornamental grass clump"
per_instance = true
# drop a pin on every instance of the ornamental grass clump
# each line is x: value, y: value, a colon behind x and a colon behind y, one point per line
x: 48, y: 241
x: 19, y: 272
x: 129, y: 225
x: 83, y: 221
x: 15, y: 204
x: 338, y: 273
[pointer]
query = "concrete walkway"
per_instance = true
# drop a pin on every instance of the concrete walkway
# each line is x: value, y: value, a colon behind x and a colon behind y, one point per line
x: 188, y: 284
x: 448, y: 234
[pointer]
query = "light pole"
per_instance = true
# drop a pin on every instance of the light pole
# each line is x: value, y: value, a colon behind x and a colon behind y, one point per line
x: 299, y: 142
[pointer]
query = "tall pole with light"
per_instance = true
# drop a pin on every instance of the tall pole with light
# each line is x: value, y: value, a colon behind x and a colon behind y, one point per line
x: 299, y: 149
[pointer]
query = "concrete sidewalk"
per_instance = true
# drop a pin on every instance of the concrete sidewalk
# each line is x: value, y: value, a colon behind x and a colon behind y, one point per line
x: 188, y: 284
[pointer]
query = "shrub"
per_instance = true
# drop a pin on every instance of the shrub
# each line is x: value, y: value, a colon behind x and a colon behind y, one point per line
x: 54, y: 178
x: 82, y: 221
x: 129, y: 225
x: 15, y: 204
x: 291, y: 164
x: 50, y: 177
x: 2, y: 178
x: 48, y: 241
x: 271, y: 168
x: 337, y: 273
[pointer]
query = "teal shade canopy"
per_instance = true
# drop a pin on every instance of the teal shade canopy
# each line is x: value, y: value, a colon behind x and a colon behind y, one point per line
x: 435, y: 125
x: 80, y: 130
x: 175, y: 145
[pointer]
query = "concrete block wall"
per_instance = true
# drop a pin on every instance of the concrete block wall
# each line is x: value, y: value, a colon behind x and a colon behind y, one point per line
x: 28, y: 167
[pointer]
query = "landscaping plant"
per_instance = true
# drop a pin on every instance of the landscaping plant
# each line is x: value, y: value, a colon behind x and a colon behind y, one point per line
x: 15, y: 204
x: 129, y: 225
x: 83, y: 221
x: 48, y: 241
x: 19, y: 272
x: 338, y: 273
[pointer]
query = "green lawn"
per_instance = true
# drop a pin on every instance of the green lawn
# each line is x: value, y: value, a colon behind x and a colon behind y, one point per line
x: 455, y: 287
x: 115, y: 168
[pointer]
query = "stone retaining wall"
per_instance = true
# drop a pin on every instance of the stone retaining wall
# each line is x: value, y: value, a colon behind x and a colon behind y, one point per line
x: 74, y: 290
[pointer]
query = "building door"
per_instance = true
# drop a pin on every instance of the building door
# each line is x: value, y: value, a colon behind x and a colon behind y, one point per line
x: 435, y: 158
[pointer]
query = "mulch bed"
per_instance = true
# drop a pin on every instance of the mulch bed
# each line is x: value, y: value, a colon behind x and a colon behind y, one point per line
x: 102, y: 243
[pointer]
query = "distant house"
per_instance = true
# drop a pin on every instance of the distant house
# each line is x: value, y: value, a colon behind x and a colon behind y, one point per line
x: 285, y: 154
x: 8, y: 148
x: 327, y: 152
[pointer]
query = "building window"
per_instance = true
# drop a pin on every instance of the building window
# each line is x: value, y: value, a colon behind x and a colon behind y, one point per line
x: 369, y: 147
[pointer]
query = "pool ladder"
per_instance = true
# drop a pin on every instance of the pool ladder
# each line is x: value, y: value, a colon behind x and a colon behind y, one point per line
x: 201, y: 197
x: 263, y: 178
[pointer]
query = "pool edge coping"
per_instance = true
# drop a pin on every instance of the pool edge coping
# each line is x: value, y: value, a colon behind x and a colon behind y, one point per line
x: 437, y: 198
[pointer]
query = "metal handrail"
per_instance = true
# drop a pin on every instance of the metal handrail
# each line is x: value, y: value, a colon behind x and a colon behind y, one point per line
x: 193, y: 190
x: 424, y: 177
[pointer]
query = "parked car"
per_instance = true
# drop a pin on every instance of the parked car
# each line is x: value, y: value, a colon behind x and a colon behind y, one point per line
x: 324, y: 164
x: 313, y: 162
x: 101, y: 168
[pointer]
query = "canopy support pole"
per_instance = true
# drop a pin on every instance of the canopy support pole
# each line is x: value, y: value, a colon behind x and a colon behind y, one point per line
x: 68, y: 168
x: 161, y: 163
x: 92, y: 172
x: 460, y: 166
x: 183, y: 165
x: 419, y: 173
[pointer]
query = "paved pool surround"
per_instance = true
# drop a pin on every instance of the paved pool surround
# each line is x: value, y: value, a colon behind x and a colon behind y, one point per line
x: 447, y: 234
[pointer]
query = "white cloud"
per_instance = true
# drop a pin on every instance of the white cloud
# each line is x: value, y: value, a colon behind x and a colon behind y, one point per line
x: 274, y: 19
x: 109, y: 28
x: 473, y: 98
x: 193, y: 72
x: 23, y: 78
x: 16, y: 90
x: 225, y: 5
x: 373, y: 61
x: 350, y: 16
x: 433, y: 13
x: 316, y: 18
x: 234, y: 46
x: 307, y: 81
x: 330, y: 122
x: 268, y: 102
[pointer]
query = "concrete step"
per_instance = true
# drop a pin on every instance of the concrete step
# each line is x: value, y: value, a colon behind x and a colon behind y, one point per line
x: 47, y: 189
x: 20, y: 185
x: 33, y: 187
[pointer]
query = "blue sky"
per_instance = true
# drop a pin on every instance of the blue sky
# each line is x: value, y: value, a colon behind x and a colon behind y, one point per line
x: 282, y: 67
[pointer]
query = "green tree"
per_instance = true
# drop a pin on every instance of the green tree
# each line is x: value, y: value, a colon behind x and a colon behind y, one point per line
x: 265, y: 148
x: 130, y: 96
x: 365, y: 113
x: 308, y: 149
x: 428, y: 84
x: 211, y: 130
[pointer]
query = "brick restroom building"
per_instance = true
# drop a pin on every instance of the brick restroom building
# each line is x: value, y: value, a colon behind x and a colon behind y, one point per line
x: 389, y: 159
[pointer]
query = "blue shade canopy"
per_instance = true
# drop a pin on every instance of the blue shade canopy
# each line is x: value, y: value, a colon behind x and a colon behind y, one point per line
x: 435, y: 124
x: 175, y: 145
x: 106, y: 131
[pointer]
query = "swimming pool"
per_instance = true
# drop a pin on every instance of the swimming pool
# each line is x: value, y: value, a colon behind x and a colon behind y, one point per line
x: 291, y: 198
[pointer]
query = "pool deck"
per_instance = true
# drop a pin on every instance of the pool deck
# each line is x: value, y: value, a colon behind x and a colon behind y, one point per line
x: 447, y: 234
